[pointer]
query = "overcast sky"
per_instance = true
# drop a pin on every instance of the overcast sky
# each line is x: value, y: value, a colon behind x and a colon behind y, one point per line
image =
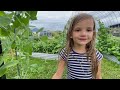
x: 52, y: 19
x: 56, y: 20
x: 57, y: 15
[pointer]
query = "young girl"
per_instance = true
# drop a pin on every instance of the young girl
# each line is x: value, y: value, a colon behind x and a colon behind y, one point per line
x: 82, y: 59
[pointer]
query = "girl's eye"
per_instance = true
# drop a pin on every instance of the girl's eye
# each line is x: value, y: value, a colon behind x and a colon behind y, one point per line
x: 77, y: 30
x: 89, y: 30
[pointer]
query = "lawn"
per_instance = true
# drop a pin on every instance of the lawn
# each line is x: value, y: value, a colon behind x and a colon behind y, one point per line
x: 44, y: 69
x: 110, y: 70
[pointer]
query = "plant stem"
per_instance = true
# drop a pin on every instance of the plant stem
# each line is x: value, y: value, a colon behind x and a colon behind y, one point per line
x: 18, y: 69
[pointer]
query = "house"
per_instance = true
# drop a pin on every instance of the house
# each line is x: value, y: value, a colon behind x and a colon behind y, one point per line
x: 45, y: 33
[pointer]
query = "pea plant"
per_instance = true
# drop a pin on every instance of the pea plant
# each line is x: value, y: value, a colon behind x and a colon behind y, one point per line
x: 16, y: 38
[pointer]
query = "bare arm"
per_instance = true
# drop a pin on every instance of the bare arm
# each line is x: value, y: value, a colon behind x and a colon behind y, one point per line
x: 99, y: 76
x: 60, y: 70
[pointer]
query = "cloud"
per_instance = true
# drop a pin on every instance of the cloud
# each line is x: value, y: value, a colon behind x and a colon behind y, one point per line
x: 58, y: 19
x: 53, y: 14
x: 51, y: 19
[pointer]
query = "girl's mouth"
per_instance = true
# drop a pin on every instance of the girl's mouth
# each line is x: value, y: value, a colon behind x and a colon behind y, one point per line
x: 82, y: 39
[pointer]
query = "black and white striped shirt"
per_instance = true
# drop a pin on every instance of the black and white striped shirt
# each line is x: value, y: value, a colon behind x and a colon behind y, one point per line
x: 78, y: 67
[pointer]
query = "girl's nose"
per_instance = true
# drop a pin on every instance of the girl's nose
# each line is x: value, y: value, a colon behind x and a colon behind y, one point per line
x: 83, y: 33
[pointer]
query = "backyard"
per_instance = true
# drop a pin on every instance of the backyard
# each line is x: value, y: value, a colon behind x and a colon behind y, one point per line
x: 44, y: 69
x: 19, y: 42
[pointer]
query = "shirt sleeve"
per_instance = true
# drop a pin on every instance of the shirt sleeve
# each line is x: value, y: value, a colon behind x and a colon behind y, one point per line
x: 63, y: 54
x: 99, y: 55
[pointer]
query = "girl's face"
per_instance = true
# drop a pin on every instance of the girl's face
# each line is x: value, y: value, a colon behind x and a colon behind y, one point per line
x: 82, y: 32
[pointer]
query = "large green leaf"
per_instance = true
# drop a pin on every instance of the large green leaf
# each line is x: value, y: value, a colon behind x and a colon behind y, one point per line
x: 4, y: 32
x: 32, y: 15
x: 7, y: 65
x: 41, y: 29
x: 16, y: 22
x: 2, y: 13
x: 4, y: 21
x: 20, y: 21
x: 2, y: 71
x: 27, y: 47
x: 26, y: 33
x: 25, y: 21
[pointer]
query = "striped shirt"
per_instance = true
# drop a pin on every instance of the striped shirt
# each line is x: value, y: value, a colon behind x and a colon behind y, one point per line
x: 78, y: 67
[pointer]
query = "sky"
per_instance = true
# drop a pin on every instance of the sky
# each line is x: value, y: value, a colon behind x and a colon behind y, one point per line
x: 51, y: 20
x: 56, y: 20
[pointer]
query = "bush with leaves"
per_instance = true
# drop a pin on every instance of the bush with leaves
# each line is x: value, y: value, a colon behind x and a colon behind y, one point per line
x: 107, y: 43
x: 49, y: 45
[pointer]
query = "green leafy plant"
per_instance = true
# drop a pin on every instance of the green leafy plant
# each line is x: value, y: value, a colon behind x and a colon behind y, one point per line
x: 107, y: 43
x: 16, y: 37
x: 45, y: 44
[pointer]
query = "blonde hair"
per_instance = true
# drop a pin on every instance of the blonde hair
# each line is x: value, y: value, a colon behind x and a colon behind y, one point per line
x: 90, y: 47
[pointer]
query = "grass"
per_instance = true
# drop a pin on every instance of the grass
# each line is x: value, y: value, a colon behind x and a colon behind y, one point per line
x: 37, y: 69
x: 44, y: 69
x: 110, y: 70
